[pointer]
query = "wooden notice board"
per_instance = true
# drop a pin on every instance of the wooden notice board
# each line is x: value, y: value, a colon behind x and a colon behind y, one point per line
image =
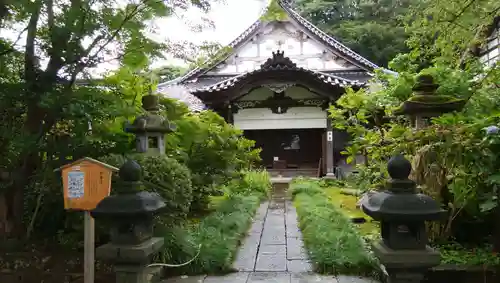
x: 85, y: 183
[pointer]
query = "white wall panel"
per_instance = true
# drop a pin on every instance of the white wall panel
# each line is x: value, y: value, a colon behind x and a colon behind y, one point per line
x: 294, y: 118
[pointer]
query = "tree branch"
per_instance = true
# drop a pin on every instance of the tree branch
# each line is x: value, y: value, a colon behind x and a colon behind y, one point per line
x: 12, y: 47
x: 114, y: 34
x: 30, y: 60
x: 4, y: 11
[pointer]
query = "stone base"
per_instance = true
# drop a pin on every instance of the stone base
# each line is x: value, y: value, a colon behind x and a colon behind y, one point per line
x: 406, y: 258
x: 130, y: 254
x: 406, y: 266
x: 330, y: 176
x: 132, y: 274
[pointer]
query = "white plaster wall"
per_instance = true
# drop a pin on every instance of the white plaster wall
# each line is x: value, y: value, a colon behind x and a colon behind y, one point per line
x: 294, y: 92
x: 491, y: 57
x: 286, y: 36
x: 260, y: 93
x: 294, y: 118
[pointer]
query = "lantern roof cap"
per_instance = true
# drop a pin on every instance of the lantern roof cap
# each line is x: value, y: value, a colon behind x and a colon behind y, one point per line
x: 426, y: 102
x: 400, y: 202
x: 131, y: 204
x: 150, y: 122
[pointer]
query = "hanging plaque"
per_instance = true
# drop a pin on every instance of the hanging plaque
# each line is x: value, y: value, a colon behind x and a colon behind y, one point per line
x: 329, y: 136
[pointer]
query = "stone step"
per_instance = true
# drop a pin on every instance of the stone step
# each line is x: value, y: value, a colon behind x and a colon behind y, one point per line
x: 305, y: 172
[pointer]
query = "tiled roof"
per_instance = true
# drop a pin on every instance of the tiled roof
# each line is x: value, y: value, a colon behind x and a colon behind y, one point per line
x: 322, y: 36
x: 326, y: 78
x: 182, y: 94
x: 330, y: 41
x: 280, y: 63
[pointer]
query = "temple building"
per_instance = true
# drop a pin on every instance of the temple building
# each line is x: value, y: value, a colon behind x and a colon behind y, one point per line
x: 275, y: 84
x: 489, y: 54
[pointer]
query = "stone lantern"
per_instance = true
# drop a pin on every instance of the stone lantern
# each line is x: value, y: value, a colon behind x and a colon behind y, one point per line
x: 425, y: 103
x: 130, y: 219
x: 403, y: 212
x: 150, y: 129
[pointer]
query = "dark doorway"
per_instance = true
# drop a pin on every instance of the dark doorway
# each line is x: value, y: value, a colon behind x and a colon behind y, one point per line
x: 300, y: 148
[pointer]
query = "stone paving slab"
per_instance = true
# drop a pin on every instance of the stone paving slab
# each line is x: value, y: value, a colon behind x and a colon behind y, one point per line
x: 273, y: 219
x: 354, y: 279
x: 257, y: 227
x: 269, y: 277
x: 295, y: 249
x: 239, y: 277
x: 245, y: 264
x: 247, y: 254
x: 272, y: 250
x: 261, y: 213
x: 268, y: 262
x: 298, y: 266
x: 293, y: 232
x: 186, y: 279
x: 310, y: 278
x: 270, y: 238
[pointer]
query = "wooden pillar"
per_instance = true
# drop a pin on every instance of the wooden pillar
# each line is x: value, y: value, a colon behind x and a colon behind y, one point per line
x: 329, y: 148
x: 230, y: 116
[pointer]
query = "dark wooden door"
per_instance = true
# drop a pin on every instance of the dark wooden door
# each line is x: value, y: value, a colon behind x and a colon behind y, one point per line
x: 299, y: 147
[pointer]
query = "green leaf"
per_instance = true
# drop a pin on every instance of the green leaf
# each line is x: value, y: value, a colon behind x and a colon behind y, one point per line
x: 494, y: 179
x: 488, y: 205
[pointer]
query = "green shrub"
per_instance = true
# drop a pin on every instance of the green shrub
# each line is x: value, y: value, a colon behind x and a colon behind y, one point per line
x: 252, y: 182
x: 219, y: 235
x: 351, y: 192
x: 478, y: 255
x: 165, y: 176
x: 305, y: 186
x: 212, y: 149
x: 333, y: 244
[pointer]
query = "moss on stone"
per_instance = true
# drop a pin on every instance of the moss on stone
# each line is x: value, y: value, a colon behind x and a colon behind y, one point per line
x: 433, y: 99
x: 348, y: 206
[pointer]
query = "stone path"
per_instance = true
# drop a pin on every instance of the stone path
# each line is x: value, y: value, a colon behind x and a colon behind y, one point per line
x: 273, y: 252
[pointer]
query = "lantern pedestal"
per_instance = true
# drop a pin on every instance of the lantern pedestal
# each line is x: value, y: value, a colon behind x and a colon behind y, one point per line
x: 131, y: 262
x: 130, y: 218
x: 406, y: 266
x: 141, y: 253
x: 403, y: 212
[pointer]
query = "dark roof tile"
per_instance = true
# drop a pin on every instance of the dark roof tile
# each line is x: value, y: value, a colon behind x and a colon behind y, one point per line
x: 327, y: 40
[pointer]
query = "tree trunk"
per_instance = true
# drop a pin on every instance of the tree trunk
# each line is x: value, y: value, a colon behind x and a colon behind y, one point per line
x: 496, y: 234
x: 22, y: 175
x: 4, y: 11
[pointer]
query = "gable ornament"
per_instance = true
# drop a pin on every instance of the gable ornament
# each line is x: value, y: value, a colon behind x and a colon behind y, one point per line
x: 278, y: 88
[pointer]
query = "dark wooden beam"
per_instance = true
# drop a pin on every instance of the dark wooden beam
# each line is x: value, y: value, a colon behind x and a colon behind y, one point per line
x: 330, y: 162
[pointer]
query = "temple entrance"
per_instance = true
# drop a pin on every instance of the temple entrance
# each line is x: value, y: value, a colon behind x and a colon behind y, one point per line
x: 294, y: 148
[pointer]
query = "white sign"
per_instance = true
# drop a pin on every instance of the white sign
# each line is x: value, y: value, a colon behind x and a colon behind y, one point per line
x: 329, y: 136
x: 76, y: 182
x: 276, y: 158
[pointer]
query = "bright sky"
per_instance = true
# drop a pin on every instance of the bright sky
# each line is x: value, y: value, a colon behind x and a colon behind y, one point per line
x: 230, y: 20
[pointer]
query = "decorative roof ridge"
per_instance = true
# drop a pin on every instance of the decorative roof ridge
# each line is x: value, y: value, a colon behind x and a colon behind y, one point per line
x: 329, y: 40
x: 335, y: 76
x: 279, y: 62
x: 248, y: 32
x: 311, y: 27
x: 278, y: 59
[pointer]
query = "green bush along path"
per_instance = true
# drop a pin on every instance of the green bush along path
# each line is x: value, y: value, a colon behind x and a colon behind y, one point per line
x: 273, y: 251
